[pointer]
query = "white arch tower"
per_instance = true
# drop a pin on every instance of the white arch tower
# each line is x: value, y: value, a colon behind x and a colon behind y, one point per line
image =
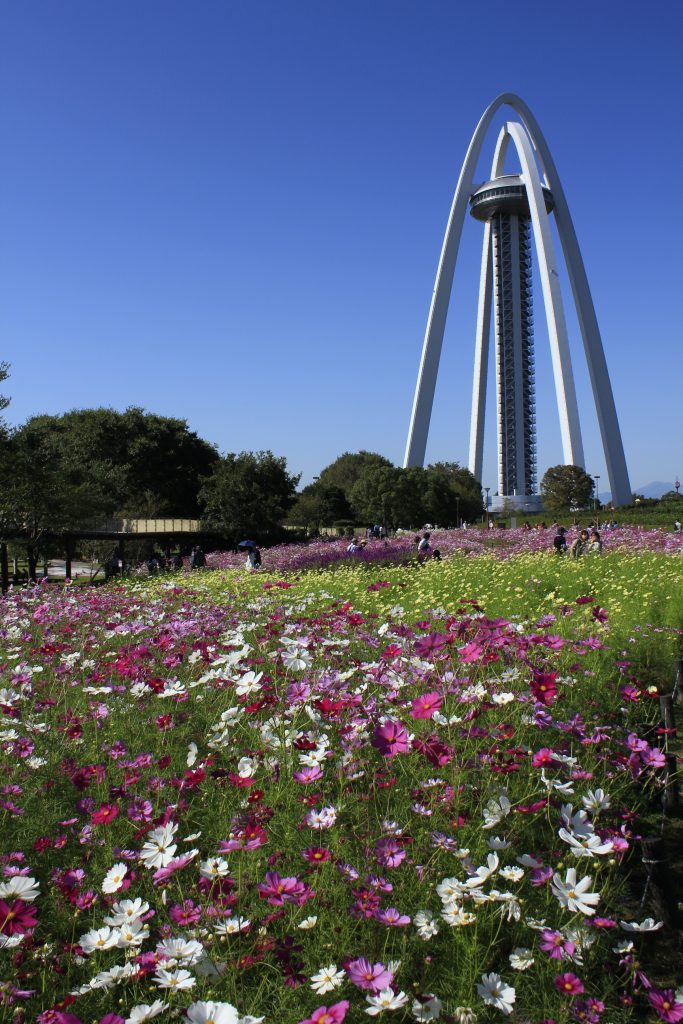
x: 515, y: 393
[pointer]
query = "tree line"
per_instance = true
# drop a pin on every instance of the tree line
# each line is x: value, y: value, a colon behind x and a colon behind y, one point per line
x: 61, y: 473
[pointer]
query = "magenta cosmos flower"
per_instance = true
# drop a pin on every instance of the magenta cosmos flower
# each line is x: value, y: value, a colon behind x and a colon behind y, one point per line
x: 665, y: 1005
x: 17, y: 918
x: 328, y: 1014
x: 568, y: 984
x: 426, y: 704
x: 391, y: 738
x: 365, y: 975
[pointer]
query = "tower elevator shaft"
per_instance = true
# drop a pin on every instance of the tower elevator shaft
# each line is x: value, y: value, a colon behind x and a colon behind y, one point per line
x: 514, y: 334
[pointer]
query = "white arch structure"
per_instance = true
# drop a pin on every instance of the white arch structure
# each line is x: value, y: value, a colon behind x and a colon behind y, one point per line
x: 526, y: 138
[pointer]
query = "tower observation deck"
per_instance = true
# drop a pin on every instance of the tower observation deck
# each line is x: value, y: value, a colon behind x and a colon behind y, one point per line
x: 503, y: 201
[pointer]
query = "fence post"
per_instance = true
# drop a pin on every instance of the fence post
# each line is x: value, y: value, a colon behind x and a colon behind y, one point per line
x: 67, y: 557
x: 4, y: 567
x: 658, y: 882
x: 678, y: 680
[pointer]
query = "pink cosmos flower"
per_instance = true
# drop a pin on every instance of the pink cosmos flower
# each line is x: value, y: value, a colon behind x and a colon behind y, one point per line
x: 391, y: 738
x: 665, y: 1006
x: 328, y: 1014
x: 543, y: 687
x: 389, y: 852
x: 106, y: 813
x: 17, y: 918
x: 555, y: 945
x: 568, y: 984
x: 365, y: 975
x: 392, y: 918
x: 307, y: 775
x: 278, y: 890
x: 426, y: 704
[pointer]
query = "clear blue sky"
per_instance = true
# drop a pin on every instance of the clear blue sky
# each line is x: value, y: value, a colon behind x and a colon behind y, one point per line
x: 232, y: 212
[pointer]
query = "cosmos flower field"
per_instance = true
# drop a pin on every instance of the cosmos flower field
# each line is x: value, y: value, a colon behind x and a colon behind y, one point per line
x: 313, y: 795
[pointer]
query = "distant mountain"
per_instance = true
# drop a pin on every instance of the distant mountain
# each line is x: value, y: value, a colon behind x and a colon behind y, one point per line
x: 653, y: 490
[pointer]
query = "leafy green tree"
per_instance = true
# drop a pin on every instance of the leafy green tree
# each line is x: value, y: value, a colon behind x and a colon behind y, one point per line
x: 4, y: 401
x: 454, y: 494
x: 319, y: 505
x: 154, y: 464
x: 248, y: 495
x: 45, y: 492
x: 565, y: 488
x: 345, y: 471
x: 387, y: 495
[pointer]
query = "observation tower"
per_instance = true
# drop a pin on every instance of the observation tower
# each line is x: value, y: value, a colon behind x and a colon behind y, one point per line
x: 515, y: 209
x: 503, y: 203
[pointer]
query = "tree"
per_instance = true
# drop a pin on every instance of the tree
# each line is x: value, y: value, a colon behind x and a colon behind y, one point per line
x: 565, y: 488
x: 153, y: 464
x: 454, y: 494
x: 319, y: 504
x: 45, y: 491
x: 248, y: 495
x: 345, y: 471
x: 4, y: 401
x: 387, y: 495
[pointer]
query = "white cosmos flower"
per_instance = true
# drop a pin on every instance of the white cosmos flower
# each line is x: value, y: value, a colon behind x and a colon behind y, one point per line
x: 126, y: 911
x: 385, y: 1000
x: 176, y: 980
x: 212, y: 1013
x: 159, y: 849
x: 249, y: 683
x: 187, y: 951
x: 648, y: 925
x: 215, y: 867
x: 596, y: 801
x: 496, y: 843
x: 495, y: 992
x: 232, y: 925
x: 426, y: 924
x: 450, y: 889
x: 99, y: 938
x: 113, y: 880
x: 429, y: 1010
x: 308, y: 923
x: 575, y: 895
x: 145, y: 1011
x: 327, y: 979
x: 521, y: 959
x: 246, y: 767
x: 502, y: 698
x: 496, y: 810
x: 455, y: 917
x: 578, y: 822
x: 484, y: 872
x: 586, y: 846
x: 133, y: 934
x: 511, y: 874
x: 296, y: 659
x: 527, y: 861
x: 11, y: 941
x: 20, y: 887
x: 192, y: 752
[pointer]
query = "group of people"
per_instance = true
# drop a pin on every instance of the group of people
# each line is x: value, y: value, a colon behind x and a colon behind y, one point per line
x: 586, y: 543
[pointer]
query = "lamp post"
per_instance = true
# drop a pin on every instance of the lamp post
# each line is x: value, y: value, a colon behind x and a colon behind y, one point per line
x: 457, y: 511
x: 487, y: 489
x: 597, y: 502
